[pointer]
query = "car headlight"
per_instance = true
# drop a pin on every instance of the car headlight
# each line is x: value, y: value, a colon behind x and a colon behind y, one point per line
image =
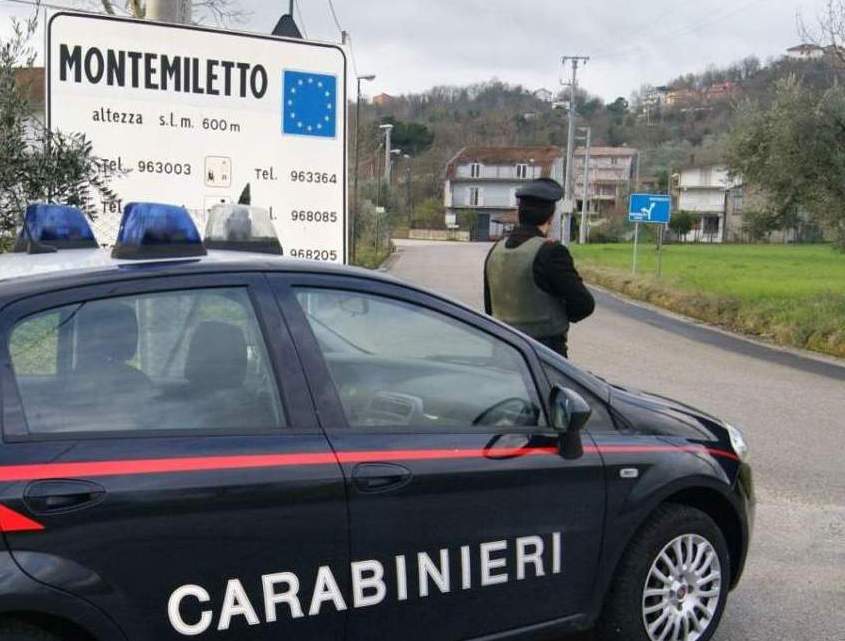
x: 738, y: 442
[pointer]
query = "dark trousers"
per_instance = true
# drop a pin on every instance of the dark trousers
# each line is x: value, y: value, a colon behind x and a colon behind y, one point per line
x: 556, y: 343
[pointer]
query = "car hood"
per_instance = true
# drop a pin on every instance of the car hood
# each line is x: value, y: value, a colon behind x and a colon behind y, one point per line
x: 651, y: 413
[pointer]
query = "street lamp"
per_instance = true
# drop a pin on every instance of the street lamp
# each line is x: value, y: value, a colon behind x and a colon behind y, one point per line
x: 368, y: 78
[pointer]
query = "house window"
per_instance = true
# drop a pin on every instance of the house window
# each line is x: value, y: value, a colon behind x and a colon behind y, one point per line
x: 474, y: 196
x: 475, y: 170
x: 522, y: 170
x: 738, y: 200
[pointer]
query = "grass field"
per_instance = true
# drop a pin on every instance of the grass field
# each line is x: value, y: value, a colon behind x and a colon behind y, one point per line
x: 790, y: 294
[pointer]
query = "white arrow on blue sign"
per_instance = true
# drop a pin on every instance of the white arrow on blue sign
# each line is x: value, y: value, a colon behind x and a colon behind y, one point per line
x: 650, y: 208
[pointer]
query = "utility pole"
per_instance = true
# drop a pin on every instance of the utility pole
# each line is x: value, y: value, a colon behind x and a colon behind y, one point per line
x: 355, y: 207
x: 582, y: 231
x: 176, y: 11
x: 567, y: 187
x: 387, y: 151
x: 408, y: 203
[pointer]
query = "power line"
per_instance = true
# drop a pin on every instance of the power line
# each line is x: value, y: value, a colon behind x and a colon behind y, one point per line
x: 344, y: 36
x: 725, y: 13
x: 298, y: 9
x: 334, y: 17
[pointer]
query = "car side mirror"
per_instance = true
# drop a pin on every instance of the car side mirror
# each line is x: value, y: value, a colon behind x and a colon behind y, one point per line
x: 570, y: 412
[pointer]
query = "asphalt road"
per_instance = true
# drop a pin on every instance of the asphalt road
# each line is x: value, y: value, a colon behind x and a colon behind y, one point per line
x: 793, y: 412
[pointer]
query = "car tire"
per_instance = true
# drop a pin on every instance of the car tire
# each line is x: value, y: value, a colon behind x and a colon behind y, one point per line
x: 14, y: 630
x: 681, y: 557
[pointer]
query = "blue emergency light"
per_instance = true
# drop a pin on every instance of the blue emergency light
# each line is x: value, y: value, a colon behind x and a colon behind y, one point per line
x: 157, y: 230
x: 48, y: 227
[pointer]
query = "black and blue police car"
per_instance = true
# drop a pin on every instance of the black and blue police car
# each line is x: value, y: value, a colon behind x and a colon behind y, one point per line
x: 233, y: 445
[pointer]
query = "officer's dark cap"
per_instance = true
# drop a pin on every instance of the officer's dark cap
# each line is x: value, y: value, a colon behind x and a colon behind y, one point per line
x: 545, y: 189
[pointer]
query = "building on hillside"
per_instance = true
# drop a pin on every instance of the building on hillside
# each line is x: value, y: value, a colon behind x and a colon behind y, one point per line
x: 719, y: 203
x: 681, y: 97
x: 648, y: 185
x: 544, y: 94
x: 481, y: 183
x: 654, y: 97
x: 383, y: 100
x: 721, y: 91
x: 611, y: 177
x: 805, y: 52
x: 703, y: 192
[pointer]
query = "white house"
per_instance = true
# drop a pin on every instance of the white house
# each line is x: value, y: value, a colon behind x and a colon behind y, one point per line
x: 805, y: 52
x: 703, y: 191
x: 481, y: 184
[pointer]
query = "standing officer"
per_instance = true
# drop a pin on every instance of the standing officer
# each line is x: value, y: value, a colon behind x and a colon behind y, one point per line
x: 530, y: 282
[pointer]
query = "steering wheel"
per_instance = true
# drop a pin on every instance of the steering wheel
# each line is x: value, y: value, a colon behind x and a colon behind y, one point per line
x: 511, y: 411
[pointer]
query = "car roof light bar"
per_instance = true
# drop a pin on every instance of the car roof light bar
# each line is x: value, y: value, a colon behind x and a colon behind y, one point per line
x: 157, y: 230
x: 50, y: 227
x: 241, y: 228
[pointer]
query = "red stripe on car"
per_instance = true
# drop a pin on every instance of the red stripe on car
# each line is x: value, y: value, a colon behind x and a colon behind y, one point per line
x: 129, y: 467
x: 11, y: 521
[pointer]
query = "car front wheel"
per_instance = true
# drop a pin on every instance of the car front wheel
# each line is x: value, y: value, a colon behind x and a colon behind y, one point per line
x: 672, y: 582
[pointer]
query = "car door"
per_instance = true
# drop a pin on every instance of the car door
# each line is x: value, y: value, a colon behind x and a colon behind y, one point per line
x: 465, y: 519
x: 162, y: 451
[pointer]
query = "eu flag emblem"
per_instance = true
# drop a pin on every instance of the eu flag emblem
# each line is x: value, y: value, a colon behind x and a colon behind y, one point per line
x: 309, y: 104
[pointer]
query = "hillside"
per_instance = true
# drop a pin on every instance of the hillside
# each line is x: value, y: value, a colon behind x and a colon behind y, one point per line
x: 446, y: 119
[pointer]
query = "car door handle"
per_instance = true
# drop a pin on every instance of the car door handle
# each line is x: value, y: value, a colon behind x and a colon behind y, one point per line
x: 55, y: 496
x: 380, y: 477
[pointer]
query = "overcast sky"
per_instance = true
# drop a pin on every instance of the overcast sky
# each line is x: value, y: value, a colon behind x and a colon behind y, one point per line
x: 412, y: 45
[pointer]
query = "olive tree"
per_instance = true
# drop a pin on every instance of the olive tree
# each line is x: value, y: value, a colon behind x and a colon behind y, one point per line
x: 792, y: 152
x: 35, y: 163
x: 681, y: 223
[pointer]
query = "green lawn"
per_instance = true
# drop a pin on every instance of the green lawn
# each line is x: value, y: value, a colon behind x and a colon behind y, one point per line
x: 792, y: 294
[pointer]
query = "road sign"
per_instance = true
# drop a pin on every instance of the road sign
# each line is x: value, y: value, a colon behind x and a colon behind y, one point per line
x: 190, y: 116
x: 650, y: 208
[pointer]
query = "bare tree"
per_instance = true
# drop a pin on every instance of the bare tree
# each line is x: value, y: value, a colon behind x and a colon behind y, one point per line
x: 220, y: 12
x: 829, y: 31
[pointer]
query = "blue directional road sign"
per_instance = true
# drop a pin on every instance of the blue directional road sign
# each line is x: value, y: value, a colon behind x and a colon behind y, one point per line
x: 650, y: 208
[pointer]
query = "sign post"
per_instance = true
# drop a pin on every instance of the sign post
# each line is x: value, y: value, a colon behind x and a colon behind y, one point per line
x: 191, y: 116
x: 636, y: 242
x: 649, y: 209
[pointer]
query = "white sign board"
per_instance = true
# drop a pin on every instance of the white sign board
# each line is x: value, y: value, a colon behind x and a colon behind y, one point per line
x: 191, y: 116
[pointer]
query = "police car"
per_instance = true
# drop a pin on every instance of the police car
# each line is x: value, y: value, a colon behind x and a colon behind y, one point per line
x: 232, y: 445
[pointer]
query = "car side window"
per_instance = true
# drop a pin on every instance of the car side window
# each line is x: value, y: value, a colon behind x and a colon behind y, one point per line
x: 179, y: 360
x: 600, y: 419
x: 399, y: 364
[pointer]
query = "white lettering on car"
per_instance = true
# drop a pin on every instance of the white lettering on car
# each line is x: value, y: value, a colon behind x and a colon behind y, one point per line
x: 530, y: 556
x: 326, y: 590
x: 523, y: 558
x: 236, y: 603
x: 556, y: 552
x: 367, y: 575
x: 401, y: 578
x: 428, y: 570
x: 466, y: 575
x: 489, y: 564
x: 175, y: 615
x: 289, y: 596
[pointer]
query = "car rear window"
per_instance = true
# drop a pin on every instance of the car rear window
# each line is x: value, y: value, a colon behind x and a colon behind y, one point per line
x: 183, y: 360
